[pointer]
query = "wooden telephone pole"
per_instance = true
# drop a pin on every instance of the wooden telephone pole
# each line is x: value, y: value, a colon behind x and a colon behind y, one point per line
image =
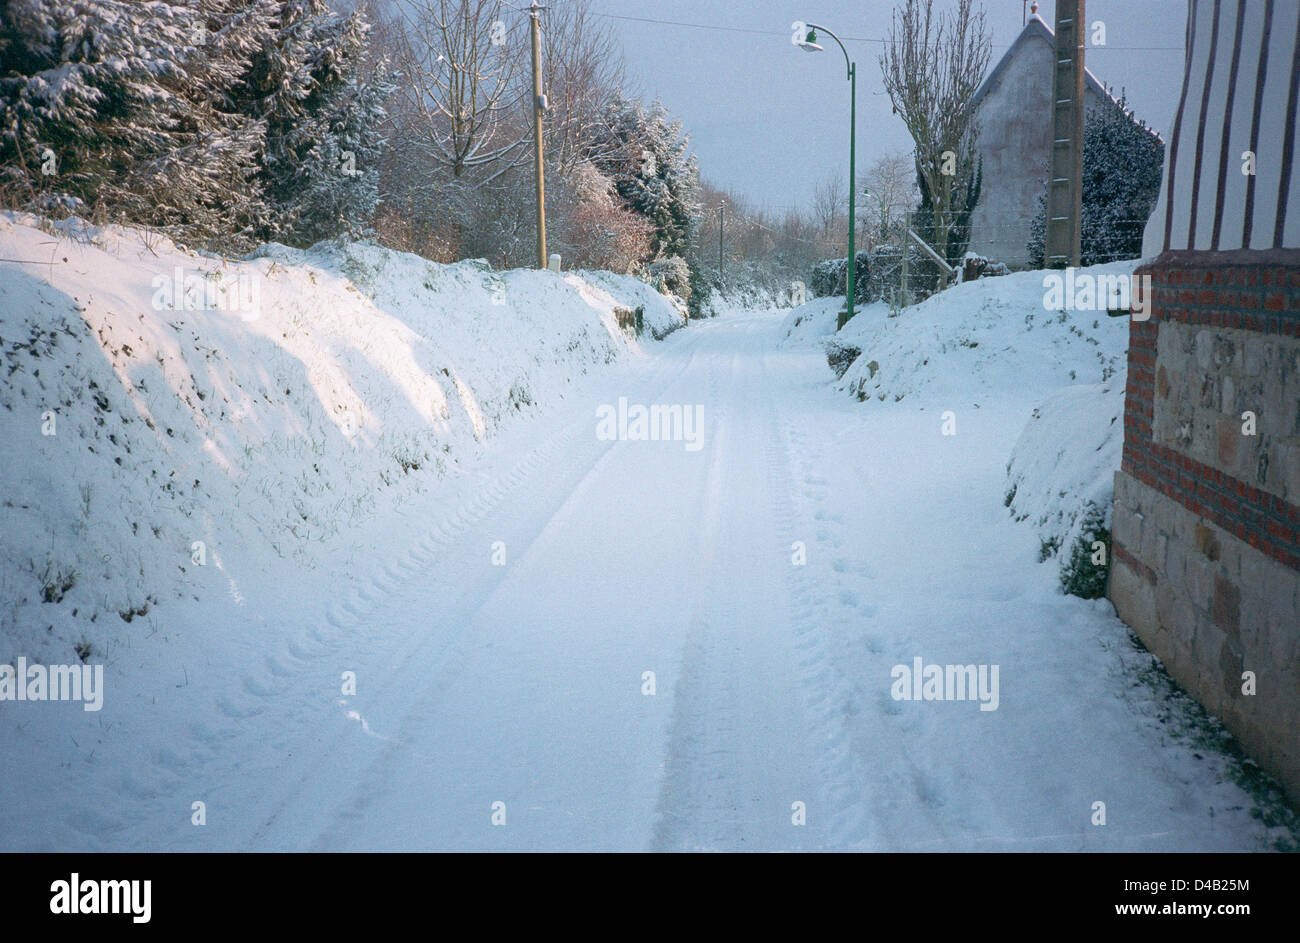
x: 1062, y: 242
x: 722, y: 205
x: 539, y: 105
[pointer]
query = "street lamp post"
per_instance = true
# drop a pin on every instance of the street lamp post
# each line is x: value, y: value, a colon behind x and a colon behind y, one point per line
x: 810, y: 44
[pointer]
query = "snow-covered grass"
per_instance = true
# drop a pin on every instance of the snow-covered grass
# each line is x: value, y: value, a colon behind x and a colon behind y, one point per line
x: 813, y: 322
x: 996, y: 341
x: 148, y: 444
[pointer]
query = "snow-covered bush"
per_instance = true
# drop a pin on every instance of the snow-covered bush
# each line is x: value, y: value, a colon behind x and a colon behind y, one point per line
x: 1122, y: 161
x: 671, y: 276
x: 830, y: 277
x: 839, y: 355
x: 1085, y: 569
x: 1060, y: 479
x: 825, y: 275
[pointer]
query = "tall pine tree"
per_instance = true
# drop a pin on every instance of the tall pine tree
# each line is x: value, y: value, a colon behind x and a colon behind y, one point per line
x: 320, y: 165
x: 647, y: 155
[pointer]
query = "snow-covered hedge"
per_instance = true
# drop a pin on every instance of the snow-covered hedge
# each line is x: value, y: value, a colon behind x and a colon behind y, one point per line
x: 165, y: 411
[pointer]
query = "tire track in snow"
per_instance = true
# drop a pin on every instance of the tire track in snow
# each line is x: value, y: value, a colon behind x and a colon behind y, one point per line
x: 430, y: 660
x: 740, y: 751
x: 214, y: 760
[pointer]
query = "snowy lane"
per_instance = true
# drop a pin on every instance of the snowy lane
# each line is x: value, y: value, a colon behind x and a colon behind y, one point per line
x: 524, y: 682
x: 501, y: 633
x: 650, y: 558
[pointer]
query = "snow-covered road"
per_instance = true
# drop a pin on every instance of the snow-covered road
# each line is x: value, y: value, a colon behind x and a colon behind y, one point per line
x: 501, y: 643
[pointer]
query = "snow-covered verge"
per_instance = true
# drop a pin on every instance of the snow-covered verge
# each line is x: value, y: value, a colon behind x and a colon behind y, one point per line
x: 1049, y: 436
x: 975, y: 340
x: 811, y: 323
x: 1065, y: 461
x: 165, y: 411
x: 663, y: 313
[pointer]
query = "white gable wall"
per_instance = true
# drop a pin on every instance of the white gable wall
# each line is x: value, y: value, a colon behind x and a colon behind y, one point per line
x: 1015, y: 141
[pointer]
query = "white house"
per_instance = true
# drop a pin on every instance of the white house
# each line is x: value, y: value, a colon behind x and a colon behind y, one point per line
x: 1014, y: 111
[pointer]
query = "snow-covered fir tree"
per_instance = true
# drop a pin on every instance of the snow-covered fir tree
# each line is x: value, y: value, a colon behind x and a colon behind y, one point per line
x: 121, y: 104
x: 220, y: 122
x: 320, y: 165
x: 648, y: 157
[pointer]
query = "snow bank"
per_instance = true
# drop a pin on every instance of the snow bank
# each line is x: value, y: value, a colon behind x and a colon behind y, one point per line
x: 1065, y: 459
x: 814, y: 322
x: 994, y: 340
x: 663, y: 314
x: 165, y: 410
x: 983, y: 339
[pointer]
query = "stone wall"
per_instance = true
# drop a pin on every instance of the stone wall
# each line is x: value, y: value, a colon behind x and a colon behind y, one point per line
x: 1206, y: 532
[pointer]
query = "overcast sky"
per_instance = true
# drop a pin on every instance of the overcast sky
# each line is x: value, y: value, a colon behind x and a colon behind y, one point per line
x: 769, y: 120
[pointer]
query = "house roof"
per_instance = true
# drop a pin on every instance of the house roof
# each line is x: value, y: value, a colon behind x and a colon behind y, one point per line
x: 1035, y: 28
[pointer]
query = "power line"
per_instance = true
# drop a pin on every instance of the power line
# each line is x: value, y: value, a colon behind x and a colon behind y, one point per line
x: 850, y: 39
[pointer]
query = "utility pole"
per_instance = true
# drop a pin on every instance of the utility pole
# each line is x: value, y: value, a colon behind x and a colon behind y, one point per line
x: 1062, y: 242
x: 539, y: 104
x: 721, y: 206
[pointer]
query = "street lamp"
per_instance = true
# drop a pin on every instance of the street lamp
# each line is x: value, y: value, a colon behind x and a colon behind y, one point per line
x: 810, y: 44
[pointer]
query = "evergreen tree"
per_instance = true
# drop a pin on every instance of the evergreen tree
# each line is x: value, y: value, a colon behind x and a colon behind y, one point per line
x: 959, y: 233
x: 119, y: 103
x: 320, y: 164
x: 647, y: 156
x: 1122, y: 162
x: 926, y: 279
x: 220, y: 122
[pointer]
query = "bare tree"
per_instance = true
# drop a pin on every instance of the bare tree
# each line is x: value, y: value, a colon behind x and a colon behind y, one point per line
x: 932, y: 66
x: 458, y: 61
x: 830, y: 206
x: 890, y: 182
x: 582, y: 63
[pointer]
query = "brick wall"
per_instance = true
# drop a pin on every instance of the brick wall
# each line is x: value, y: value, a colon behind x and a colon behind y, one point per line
x: 1206, y: 554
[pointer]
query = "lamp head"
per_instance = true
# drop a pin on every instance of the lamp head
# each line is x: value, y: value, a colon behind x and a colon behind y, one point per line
x: 809, y: 43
